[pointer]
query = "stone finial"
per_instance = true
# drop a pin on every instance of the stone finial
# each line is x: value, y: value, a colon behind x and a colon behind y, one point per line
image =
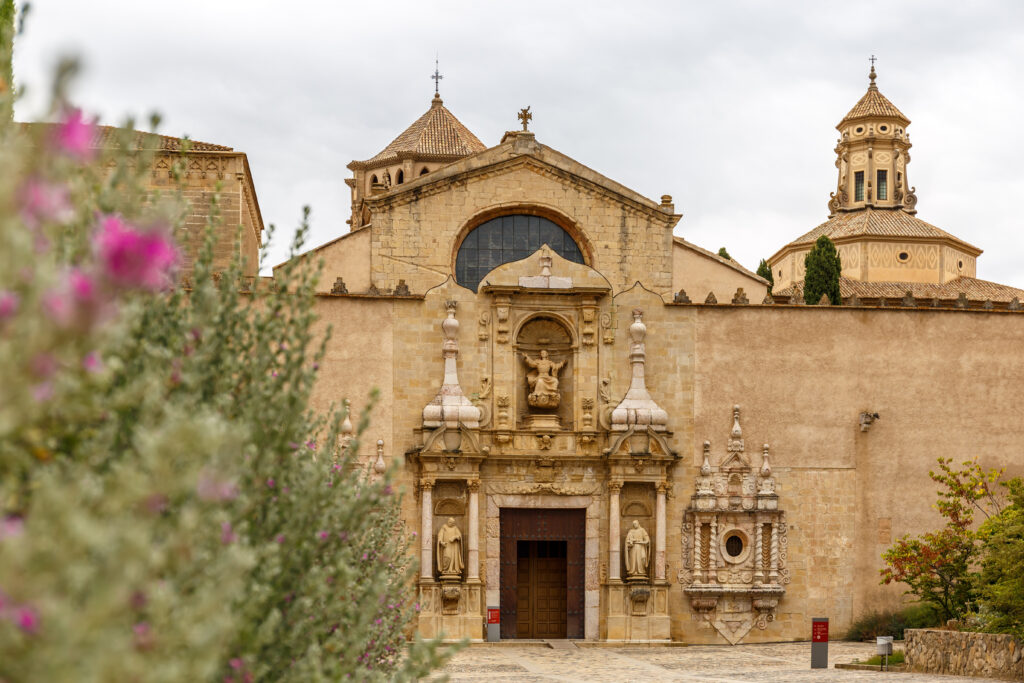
x: 853, y: 300
x: 736, y: 435
x: 1014, y: 304
x: 705, y: 468
x: 766, y: 468
x: 450, y: 407
x: 824, y: 300
x: 908, y: 300
x: 797, y: 297
x: 637, y: 408
x: 402, y: 289
x: 378, y: 465
x: 339, y: 287
x: 988, y: 305
x: 680, y: 297
x: 768, y: 300
x: 711, y: 298
x: 961, y: 301
x: 545, y: 280
x: 740, y: 297
x: 936, y: 302
x: 346, y: 432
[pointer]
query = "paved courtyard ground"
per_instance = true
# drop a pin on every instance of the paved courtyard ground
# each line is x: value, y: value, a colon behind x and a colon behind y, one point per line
x: 721, y: 664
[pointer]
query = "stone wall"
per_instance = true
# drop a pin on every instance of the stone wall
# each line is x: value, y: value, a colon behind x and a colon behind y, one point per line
x: 958, y: 653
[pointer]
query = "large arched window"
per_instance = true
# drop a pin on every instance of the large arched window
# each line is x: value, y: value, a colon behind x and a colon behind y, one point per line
x: 509, y: 238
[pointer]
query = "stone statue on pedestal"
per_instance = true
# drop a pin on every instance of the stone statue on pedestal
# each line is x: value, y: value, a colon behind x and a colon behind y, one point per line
x: 543, y: 380
x: 638, y: 546
x: 449, y: 551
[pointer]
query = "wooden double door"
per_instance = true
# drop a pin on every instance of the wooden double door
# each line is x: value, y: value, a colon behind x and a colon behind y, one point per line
x: 542, y: 572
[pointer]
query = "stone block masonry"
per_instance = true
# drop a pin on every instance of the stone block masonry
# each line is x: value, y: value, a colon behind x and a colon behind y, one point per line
x: 958, y: 653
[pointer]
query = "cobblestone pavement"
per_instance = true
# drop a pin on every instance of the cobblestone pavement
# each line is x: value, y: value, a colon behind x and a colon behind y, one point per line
x: 721, y: 664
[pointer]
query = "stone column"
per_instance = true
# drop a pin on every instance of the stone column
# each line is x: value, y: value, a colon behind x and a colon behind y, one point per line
x: 659, y: 534
x: 614, y: 549
x: 758, y: 553
x: 427, y: 530
x: 773, y: 569
x: 473, y: 556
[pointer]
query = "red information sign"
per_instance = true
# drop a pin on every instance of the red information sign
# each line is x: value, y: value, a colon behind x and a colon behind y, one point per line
x: 819, y: 632
x: 494, y: 617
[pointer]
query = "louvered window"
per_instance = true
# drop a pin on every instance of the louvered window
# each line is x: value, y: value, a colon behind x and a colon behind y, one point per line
x: 883, y: 184
x: 858, y: 186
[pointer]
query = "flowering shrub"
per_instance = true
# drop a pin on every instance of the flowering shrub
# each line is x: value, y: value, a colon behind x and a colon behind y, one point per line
x: 170, y: 507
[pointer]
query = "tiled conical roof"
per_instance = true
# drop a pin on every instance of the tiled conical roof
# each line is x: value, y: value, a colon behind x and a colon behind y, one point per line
x: 878, y: 222
x: 874, y: 103
x: 435, y: 135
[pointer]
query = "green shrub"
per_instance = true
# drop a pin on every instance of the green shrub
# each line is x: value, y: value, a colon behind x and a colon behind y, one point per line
x: 893, y: 622
x: 897, y: 657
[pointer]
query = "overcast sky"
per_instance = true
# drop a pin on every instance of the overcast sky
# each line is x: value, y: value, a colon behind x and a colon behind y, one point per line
x: 730, y: 107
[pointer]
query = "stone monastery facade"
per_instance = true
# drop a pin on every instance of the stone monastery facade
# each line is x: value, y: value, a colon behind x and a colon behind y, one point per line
x: 605, y: 432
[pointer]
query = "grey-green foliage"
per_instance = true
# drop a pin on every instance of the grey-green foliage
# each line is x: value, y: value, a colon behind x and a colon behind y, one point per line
x: 177, y: 511
x: 765, y: 271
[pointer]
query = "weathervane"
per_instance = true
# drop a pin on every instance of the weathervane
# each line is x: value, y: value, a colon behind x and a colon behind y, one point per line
x: 437, y: 78
x: 525, y: 116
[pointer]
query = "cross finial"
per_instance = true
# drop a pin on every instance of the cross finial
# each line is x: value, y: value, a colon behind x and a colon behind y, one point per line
x: 871, y: 75
x: 872, y: 59
x: 525, y: 116
x: 437, y: 78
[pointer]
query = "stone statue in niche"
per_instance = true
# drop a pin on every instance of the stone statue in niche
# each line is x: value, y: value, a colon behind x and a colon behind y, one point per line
x: 543, y: 380
x: 449, y: 551
x: 638, y: 545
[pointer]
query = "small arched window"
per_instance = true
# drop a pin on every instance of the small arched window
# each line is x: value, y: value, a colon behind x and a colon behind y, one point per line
x: 399, y: 177
x: 373, y: 179
x: 424, y: 171
x: 509, y: 238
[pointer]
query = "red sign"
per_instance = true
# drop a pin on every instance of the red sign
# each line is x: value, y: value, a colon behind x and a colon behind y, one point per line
x: 494, y: 617
x: 819, y: 632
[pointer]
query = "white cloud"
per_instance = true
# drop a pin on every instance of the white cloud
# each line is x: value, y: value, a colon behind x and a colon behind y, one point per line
x: 729, y: 107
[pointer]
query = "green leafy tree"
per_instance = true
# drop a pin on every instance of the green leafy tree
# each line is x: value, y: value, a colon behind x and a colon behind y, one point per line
x: 822, y: 269
x: 171, y: 508
x: 939, y: 566
x: 723, y: 253
x: 1002, y: 581
x: 7, y: 12
x: 765, y: 271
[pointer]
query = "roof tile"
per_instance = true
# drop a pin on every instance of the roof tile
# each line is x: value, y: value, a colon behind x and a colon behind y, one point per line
x: 435, y: 134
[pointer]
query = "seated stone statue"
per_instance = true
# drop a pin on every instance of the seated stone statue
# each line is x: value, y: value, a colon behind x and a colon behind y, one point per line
x: 543, y: 380
x: 638, y: 545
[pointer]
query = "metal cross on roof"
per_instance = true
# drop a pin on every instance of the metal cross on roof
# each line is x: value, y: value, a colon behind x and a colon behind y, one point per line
x: 872, y: 59
x: 437, y: 78
x: 525, y: 116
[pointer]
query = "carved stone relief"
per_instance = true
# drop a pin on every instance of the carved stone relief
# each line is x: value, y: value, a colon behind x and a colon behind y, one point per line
x: 734, y: 542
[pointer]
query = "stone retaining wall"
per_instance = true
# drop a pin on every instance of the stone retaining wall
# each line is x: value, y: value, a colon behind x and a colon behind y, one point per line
x: 961, y: 653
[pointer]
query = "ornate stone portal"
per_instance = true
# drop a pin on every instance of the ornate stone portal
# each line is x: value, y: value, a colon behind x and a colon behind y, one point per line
x: 734, y: 543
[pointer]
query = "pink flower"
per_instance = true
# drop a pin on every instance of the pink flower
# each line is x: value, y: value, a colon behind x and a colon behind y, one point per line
x: 92, y: 362
x: 76, y: 301
x: 270, y: 483
x: 11, y: 527
x: 27, y: 619
x: 42, y: 391
x: 323, y: 535
x: 74, y: 135
x: 42, y: 202
x: 133, y: 258
x: 213, y: 489
x: 227, y: 534
x: 236, y: 663
x: 311, y: 445
x: 9, y: 302
x: 280, y: 538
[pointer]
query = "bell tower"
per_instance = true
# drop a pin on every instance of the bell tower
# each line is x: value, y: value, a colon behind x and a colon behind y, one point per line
x: 872, y: 156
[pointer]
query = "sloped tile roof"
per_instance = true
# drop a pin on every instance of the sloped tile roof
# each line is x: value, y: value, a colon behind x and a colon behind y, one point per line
x: 877, y: 222
x: 436, y: 134
x: 874, y: 103
x: 973, y: 288
x: 105, y: 137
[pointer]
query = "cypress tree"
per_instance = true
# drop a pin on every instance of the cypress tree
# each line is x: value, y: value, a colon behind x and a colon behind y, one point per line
x: 822, y: 266
x: 723, y: 253
x: 765, y: 271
